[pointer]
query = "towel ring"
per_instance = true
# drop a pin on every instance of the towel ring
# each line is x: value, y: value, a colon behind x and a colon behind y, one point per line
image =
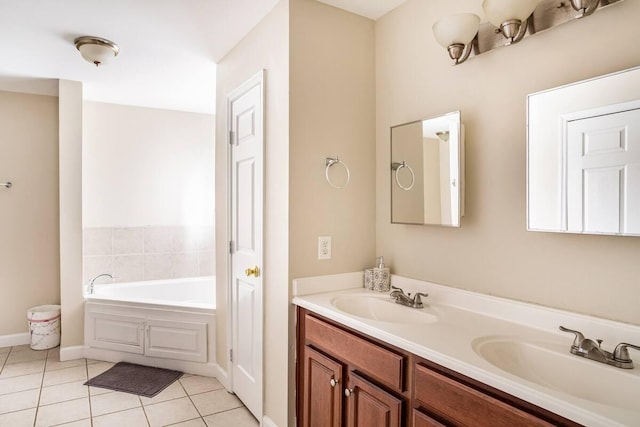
x: 330, y: 161
x: 396, y: 167
x: 7, y: 184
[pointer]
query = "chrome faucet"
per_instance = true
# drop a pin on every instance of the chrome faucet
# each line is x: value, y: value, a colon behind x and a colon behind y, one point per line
x: 591, y: 349
x: 91, y: 284
x: 405, y: 299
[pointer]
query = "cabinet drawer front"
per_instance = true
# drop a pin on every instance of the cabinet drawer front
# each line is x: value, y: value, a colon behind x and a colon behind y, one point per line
x: 377, y: 362
x: 466, y: 406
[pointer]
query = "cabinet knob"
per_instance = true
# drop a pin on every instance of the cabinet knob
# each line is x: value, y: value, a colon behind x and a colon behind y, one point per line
x: 334, y: 382
x: 348, y: 392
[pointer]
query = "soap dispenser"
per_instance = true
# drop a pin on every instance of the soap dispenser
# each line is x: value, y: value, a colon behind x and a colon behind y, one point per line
x: 381, y: 277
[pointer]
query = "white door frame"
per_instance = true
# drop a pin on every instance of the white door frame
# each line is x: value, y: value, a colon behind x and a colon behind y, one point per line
x: 258, y: 78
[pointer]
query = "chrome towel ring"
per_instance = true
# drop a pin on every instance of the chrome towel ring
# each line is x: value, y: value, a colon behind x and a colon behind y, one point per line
x: 330, y: 161
x: 7, y: 184
x: 396, y: 167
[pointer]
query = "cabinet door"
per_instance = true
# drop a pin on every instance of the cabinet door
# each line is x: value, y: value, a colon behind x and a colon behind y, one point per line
x: 423, y: 420
x: 371, y: 406
x: 176, y: 340
x: 322, y: 390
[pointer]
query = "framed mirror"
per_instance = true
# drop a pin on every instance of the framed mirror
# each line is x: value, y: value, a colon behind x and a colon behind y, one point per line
x: 583, y: 156
x: 427, y: 179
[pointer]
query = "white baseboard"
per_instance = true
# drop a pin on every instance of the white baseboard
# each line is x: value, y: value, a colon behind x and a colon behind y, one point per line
x: 15, y: 339
x: 71, y: 352
x: 223, y: 377
x: 268, y: 422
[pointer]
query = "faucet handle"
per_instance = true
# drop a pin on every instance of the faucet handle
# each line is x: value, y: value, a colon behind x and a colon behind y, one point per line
x: 621, y: 354
x: 417, y: 301
x: 577, y: 340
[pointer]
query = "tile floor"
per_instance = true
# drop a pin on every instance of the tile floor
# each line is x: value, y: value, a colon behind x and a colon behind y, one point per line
x: 36, y: 389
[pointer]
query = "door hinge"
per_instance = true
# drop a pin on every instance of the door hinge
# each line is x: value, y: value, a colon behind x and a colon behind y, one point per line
x: 231, y: 355
x: 230, y: 137
x: 231, y: 246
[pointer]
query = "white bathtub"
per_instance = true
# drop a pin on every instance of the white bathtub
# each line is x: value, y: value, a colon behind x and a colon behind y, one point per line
x: 197, y: 292
x: 164, y: 323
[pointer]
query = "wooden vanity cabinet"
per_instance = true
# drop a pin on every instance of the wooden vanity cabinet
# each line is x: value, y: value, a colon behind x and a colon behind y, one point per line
x: 345, y: 379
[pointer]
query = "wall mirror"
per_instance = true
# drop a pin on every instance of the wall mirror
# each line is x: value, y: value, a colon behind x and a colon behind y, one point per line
x: 583, y: 156
x: 427, y: 179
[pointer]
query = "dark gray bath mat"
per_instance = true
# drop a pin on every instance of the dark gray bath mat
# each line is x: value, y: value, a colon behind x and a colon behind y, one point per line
x: 136, y: 379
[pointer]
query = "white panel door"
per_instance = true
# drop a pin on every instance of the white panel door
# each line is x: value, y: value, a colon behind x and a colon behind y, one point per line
x: 603, y: 173
x: 245, y: 113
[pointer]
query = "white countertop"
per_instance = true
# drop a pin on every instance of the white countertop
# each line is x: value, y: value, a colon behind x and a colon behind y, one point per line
x: 466, y: 319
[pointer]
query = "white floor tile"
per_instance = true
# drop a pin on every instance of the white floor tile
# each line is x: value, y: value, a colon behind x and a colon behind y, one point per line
x: 22, y: 347
x: 129, y: 418
x: 113, y: 402
x: 216, y: 401
x: 96, y: 391
x: 198, y: 422
x: 63, y: 392
x: 96, y: 369
x: 240, y: 417
x: 25, y: 355
x: 21, y: 383
x: 198, y: 384
x: 18, y: 419
x: 174, y: 391
x: 19, y: 401
x: 22, y: 368
x: 64, y: 412
x: 54, y: 364
x: 3, y: 357
x: 66, y: 375
x: 81, y: 423
x: 171, y: 412
x: 5, y: 350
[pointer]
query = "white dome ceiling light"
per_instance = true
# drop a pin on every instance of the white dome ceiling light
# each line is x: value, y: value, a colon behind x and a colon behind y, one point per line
x: 96, y: 50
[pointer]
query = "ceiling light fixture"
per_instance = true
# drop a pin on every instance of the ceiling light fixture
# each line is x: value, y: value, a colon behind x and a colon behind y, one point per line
x: 96, y: 50
x: 462, y: 33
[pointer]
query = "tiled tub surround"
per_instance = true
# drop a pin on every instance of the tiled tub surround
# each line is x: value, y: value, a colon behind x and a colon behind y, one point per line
x: 133, y: 254
x: 465, y: 317
x: 36, y: 389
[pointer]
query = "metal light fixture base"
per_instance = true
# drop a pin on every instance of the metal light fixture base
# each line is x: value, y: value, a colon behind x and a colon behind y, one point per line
x: 584, y: 7
x: 99, y: 41
x: 459, y: 52
x: 514, y: 30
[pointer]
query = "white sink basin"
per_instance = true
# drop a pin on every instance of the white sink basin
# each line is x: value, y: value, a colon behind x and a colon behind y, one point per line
x: 551, y: 365
x: 382, y: 309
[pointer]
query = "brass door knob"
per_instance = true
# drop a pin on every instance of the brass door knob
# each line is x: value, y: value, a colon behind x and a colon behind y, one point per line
x: 255, y: 271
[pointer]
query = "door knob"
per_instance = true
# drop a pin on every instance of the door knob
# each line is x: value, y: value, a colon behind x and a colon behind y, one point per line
x: 255, y: 271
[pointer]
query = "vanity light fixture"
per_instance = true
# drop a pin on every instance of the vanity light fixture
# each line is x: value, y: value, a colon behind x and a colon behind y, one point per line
x: 511, y: 16
x: 510, y: 20
x: 455, y: 33
x: 96, y: 50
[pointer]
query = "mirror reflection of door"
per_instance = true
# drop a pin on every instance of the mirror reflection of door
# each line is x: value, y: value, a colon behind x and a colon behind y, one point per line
x: 603, y: 173
x: 426, y: 171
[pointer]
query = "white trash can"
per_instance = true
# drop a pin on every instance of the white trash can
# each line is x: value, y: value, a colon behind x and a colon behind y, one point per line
x: 44, y: 326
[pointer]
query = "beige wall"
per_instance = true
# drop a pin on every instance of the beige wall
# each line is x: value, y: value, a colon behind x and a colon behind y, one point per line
x: 265, y: 47
x: 29, y: 251
x: 492, y: 253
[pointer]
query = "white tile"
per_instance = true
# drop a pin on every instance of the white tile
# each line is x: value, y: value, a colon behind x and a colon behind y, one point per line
x: 96, y: 369
x: 65, y: 375
x: 19, y: 401
x: 128, y: 268
x: 240, y: 417
x: 96, y: 265
x: 184, y: 239
x: 3, y: 357
x: 22, y: 368
x: 216, y: 401
x: 184, y: 265
x: 53, y: 353
x: 127, y: 241
x: 25, y: 355
x: 97, y: 241
x: 21, y: 383
x: 174, y: 391
x: 206, y: 263
x: 129, y: 418
x: 206, y: 239
x: 62, y: 392
x: 80, y: 423
x: 22, y: 347
x: 55, y: 364
x: 5, y: 350
x: 170, y: 412
x: 157, y: 266
x: 157, y: 240
x: 198, y: 422
x: 64, y: 412
x: 197, y: 384
x: 18, y: 419
x: 113, y: 402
